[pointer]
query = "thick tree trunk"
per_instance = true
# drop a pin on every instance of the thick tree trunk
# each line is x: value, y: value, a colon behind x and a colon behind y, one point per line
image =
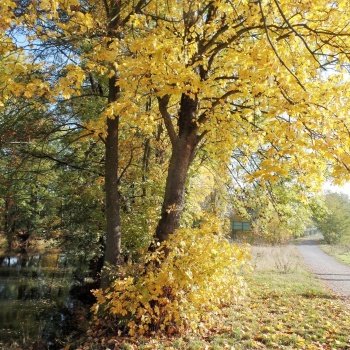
x: 184, y: 146
x: 174, y: 200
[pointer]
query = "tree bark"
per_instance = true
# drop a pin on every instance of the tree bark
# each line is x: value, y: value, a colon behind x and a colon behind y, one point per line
x: 184, y: 146
x: 112, y: 254
x: 112, y: 194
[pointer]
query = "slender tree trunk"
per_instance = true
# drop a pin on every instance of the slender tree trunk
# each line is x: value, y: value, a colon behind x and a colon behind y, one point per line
x: 112, y: 254
x: 183, y: 148
x: 7, y: 221
x: 113, y: 238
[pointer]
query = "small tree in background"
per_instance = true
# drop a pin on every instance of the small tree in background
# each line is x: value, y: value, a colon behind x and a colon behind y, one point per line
x: 335, y: 222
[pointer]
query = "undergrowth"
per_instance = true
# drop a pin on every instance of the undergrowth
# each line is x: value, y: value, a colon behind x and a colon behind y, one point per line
x: 193, y: 275
x: 287, y: 310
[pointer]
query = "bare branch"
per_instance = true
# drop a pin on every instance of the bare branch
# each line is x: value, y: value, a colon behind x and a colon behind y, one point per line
x: 274, y: 49
x: 163, y: 108
x: 62, y: 162
x: 297, y: 33
x: 205, y: 115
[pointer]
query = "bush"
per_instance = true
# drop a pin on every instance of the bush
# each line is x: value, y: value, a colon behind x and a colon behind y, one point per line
x: 331, y: 237
x: 200, y: 273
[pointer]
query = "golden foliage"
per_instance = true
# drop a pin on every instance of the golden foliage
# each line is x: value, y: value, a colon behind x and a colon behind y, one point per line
x: 270, y: 77
x: 201, y: 272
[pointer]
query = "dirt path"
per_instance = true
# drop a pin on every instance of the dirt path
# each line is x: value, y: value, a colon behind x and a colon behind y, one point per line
x: 335, y: 275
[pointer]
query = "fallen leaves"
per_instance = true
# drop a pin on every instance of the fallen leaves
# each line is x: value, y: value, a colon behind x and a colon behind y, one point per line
x: 270, y: 317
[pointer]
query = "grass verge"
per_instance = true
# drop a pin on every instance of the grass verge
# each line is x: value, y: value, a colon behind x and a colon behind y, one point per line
x: 339, y: 251
x: 285, y: 308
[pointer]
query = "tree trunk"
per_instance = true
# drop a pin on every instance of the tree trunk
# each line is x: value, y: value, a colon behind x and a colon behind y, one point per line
x: 113, y: 234
x: 182, y: 155
x: 112, y: 254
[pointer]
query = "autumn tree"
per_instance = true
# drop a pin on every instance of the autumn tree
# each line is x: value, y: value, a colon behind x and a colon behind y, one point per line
x: 246, y: 76
x: 278, y: 209
x: 265, y: 78
x: 52, y: 27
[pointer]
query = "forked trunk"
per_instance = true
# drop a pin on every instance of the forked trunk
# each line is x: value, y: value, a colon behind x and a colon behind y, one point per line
x: 184, y: 146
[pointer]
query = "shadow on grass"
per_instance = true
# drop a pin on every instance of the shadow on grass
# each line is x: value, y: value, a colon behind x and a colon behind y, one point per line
x: 311, y: 295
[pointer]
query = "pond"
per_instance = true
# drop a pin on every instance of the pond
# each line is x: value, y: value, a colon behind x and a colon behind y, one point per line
x: 35, y: 304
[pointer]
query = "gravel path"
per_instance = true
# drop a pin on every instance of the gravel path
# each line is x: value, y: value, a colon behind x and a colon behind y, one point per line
x: 335, y: 275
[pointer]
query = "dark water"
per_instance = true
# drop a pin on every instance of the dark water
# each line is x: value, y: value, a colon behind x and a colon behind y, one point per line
x: 35, y: 304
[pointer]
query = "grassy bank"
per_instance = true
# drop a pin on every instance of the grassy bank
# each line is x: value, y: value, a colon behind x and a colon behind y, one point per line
x: 340, y: 251
x: 285, y: 307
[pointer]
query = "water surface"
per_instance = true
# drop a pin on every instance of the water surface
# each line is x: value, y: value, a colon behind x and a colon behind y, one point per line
x: 35, y: 304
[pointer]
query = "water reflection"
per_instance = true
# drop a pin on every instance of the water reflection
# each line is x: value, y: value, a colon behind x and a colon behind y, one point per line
x: 34, y: 298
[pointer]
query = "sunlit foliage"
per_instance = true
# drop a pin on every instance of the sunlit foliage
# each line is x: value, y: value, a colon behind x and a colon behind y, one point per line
x: 262, y: 82
x: 200, y: 274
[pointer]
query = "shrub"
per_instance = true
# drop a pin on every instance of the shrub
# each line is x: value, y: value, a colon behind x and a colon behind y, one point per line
x: 193, y: 274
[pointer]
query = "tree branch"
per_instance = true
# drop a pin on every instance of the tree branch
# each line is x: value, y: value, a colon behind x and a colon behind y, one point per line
x: 62, y: 162
x: 274, y: 49
x: 296, y: 33
x: 204, y: 116
x: 163, y: 108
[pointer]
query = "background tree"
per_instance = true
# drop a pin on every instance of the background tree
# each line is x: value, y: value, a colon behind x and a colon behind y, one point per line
x: 335, y: 221
x: 279, y: 208
x: 45, y: 168
x: 78, y: 45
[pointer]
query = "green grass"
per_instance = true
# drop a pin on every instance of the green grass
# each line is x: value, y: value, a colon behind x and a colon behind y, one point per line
x: 291, y: 310
x: 339, y: 251
x: 285, y: 308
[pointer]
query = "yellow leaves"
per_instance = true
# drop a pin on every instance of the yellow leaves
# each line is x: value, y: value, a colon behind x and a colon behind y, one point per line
x: 28, y: 93
x: 174, y: 292
x: 84, y: 19
x: 9, y: 3
x: 120, y: 109
x: 68, y: 3
x: 35, y: 88
x: 48, y: 5
x: 70, y: 84
x: 6, y: 17
x: 138, y: 21
x: 155, y: 58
